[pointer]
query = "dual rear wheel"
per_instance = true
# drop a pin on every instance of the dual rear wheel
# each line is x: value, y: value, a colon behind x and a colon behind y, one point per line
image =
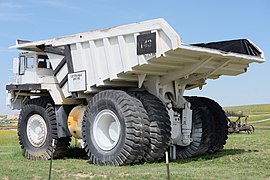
x: 209, y: 128
x: 120, y: 128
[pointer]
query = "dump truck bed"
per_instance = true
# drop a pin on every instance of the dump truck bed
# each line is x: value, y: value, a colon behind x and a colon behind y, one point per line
x: 126, y: 56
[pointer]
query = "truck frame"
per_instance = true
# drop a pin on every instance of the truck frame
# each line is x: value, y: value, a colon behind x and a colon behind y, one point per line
x: 121, y: 91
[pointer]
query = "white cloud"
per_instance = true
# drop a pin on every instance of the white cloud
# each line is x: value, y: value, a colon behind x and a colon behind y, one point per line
x: 55, y: 3
x: 9, y: 11
x: 11, y: 5
x: 12, y: 16
x: 6, y: 50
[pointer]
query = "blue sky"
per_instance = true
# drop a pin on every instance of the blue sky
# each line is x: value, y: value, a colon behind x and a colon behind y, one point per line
x: 195, y: 21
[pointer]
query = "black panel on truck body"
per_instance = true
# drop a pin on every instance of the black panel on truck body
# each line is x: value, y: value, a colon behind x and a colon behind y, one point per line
x: 241, y: 46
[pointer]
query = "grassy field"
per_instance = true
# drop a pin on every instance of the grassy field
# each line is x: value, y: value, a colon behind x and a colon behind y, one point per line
x: 245, y: 156
x: 251, y: 109
x: 9, y: 124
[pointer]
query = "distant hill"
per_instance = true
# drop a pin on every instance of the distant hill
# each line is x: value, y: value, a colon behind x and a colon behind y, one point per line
x: 250, y: 109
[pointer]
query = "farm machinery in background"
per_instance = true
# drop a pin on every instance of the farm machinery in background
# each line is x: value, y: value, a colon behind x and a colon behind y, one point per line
x: 121, y: 91
x: 240, y: 125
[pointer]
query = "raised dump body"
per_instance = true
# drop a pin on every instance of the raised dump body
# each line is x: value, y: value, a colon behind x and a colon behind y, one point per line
x: 125, y: 56
x: 121, y: 92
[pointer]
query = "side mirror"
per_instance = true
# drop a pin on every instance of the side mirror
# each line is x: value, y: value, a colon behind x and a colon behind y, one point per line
x: 16, y: 65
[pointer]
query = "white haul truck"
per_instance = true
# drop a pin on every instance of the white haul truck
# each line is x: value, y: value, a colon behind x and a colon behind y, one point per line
x: 121, y: 90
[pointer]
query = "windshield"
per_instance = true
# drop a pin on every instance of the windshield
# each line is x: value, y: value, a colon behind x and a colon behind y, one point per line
x: 43, y: 62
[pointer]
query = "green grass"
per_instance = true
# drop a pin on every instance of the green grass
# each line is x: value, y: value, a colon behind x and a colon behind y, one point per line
x: 250, y: 109
x: 252, y: 118
x: 246, y: 156
x: 9, y: 124
x: 256, y: 113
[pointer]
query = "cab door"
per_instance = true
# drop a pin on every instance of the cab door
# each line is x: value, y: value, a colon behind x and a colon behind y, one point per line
x: 27, y: 66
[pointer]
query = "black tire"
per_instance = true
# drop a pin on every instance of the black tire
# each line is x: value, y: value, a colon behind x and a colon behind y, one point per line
x: 43, y: 108
x: 133, y: 120
x: 252, y: 129
x: 160, y: 126
x: 201, y: 132
x: 220, y: 122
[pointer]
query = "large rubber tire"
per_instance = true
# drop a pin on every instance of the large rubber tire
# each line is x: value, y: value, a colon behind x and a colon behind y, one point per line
x: 133, y: 129
x: 160, y: 126
x: 201, y: 132
x: 41, y: 111
x: 220, y: 122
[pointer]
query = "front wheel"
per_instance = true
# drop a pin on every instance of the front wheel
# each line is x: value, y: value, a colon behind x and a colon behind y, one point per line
x: 37, y: 128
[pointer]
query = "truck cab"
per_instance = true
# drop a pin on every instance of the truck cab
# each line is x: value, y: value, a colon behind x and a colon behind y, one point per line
x: 31, y: 67
x: 32, y: 70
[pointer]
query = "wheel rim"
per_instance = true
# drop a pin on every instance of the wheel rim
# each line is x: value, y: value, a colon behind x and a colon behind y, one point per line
x: 36, y: 130
x: 106, y: 129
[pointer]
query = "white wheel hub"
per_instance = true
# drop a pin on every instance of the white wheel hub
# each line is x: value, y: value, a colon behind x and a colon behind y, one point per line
x: 36, y: 130
x: 106, y: 129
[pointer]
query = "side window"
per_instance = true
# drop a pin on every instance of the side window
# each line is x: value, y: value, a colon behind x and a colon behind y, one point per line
x: 48, y: 63
x: 43, y: 62
x: 21, y: 65
x: 30, y: 62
